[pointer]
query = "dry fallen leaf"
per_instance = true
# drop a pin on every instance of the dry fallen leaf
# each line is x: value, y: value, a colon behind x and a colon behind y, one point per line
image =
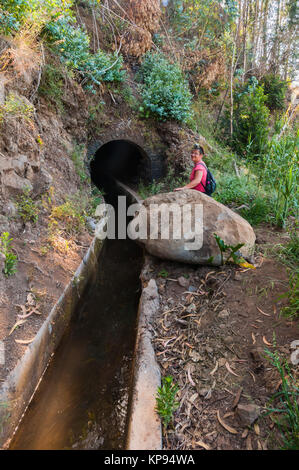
x: 256, y: 429
x: 252, y: 375
x: 24, y: 341
x: 202, y: 444
x: 237, y: 398
x: 190, y: 378
x: 247, y: 265
x: 229, y: 369
x: 215, y: 368
x: 18, y: 323
x: 266, y: 342
x: 263, y: 313
x: 253, y: 338
x: 30, y: 299
x: 248, y: 443
x: 226, y: 426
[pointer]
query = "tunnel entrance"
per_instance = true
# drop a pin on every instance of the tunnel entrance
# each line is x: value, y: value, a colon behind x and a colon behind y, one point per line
x: 122, y: 160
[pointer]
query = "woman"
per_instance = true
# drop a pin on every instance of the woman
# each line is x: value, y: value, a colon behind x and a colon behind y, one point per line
x: 198, y: 176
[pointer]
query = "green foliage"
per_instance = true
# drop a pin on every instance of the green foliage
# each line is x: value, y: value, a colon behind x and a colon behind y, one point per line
x: 149, y: 189
x: 163, y: 273
x: 16, y: 106
x: 275, y: 90
x: 51, y: 85
x: 282, y: 173
x: 257, y: 211
x: 232, y: 251
x: 17, y: 12
x: 250, y: 121
x: 292, y: 310
x: 10, y: 262
x: 258, y: 202
x: 8, y: 22
x: 165, y: 91
x: 27, y: 208
x: 71, y: 43
x: 286, y: 403
x: 166, y: 184
x: 105, y: 67
x: 165, y: 399
x: 203, y: 22
x: 67, y: 39
x: 77, y: 157
x: 68, y: 217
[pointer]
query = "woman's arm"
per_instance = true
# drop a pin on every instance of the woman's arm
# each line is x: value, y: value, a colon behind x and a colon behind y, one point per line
x: 197, y: 179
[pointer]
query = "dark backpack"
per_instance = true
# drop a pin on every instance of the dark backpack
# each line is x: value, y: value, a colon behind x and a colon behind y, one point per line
x: 210, y: 182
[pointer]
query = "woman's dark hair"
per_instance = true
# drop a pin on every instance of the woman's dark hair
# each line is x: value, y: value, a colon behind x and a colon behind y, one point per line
x: 198, y: 147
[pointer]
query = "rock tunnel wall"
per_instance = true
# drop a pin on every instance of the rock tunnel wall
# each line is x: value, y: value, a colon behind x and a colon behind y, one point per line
x: 125, y: 160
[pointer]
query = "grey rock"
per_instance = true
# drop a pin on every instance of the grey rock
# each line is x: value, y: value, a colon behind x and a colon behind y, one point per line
x: 294, y: 344
x: 192, y: 289
x: 91, y: 223
x: 2, y: 262
x: 228, y: 340
x: 216, y: 218
x: 203, y: 392
x: 2, y: 89
x: 248, y: 414
x: 10, y: 209
x: 295, y: 357
x: 183, y: 282
x: 4, y: 224
x: 191, y: 308
x: 223, y: 314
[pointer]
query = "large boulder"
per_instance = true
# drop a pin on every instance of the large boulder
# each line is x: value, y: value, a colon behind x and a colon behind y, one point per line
x: 208, y: 217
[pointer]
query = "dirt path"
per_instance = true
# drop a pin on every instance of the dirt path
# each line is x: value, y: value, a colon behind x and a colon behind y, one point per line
x: 210, y: 336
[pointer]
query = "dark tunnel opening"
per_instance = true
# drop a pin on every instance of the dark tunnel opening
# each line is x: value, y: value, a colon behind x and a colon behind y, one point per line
x: 121, y: 160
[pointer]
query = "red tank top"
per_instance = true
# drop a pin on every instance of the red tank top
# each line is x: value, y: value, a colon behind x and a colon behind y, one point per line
x: 200, y: 166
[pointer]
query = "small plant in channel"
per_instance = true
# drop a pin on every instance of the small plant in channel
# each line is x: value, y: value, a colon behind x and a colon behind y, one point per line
x: 166, y: 400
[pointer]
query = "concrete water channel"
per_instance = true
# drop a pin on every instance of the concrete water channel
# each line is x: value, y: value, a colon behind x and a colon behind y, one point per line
x: 83, y: 399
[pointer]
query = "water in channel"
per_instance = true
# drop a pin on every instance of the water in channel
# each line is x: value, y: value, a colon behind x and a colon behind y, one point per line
x: 82, y: 400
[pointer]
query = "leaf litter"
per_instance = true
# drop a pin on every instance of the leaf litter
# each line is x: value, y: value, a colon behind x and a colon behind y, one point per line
x: 210, y: 357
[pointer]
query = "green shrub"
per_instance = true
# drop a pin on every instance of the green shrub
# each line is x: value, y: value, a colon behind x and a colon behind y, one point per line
x: 77, y: 157
x: 165, y: 91
x: 282, y: 173
x: 68, y: 217
x: 17, y: 12
x: 250, y: 121
x: 285, y: 403
x: 27, y: 208
x: 51, y: 85
x: 10, y: 262
x: 16, y: 106
x: 8, y: 22
x: 275, y: 90
x: 292, y: 310
x: 259, y: 211
x: 71, y: 43
x: 258, y: 202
